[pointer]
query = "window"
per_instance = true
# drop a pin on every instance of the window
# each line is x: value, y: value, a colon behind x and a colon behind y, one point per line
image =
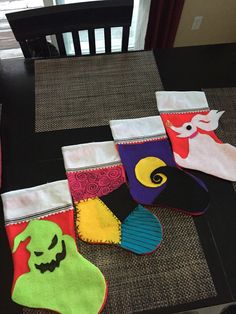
x: 116, y: 34
x: 9, y: 47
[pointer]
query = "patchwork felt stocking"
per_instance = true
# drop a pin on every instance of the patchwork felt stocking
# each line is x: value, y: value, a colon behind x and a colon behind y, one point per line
x: 49, y: 272
x: 190, y: 125
x: 106, y: 213
x: 153, y: 177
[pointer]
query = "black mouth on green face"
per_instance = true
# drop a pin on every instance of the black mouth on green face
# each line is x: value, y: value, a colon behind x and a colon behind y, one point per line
x: 54, y: 263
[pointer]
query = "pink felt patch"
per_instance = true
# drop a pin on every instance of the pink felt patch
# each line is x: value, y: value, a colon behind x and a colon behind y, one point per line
x: 193, y: 135
x: 95, y: 182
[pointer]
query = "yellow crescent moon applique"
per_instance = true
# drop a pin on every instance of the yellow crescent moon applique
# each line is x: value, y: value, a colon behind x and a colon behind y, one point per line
x: 145, y: 167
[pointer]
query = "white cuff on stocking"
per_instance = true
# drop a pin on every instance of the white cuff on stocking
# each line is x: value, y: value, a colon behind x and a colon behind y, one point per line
x: 168, y: 102
x: 90, y: 155
x: 23, y: 205
x: 137, y: 129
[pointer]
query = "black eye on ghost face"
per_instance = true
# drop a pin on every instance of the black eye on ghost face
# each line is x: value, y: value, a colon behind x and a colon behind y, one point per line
x: 188, y: 127
x: 38, y: 253
x: 51, y: 246
x: 55, y: 262
x: 54, y: 242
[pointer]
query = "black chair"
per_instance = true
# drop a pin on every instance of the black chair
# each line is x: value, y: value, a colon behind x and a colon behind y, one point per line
x: 32, y: 26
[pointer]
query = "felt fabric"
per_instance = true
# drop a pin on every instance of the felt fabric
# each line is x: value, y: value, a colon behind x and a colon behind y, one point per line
x: 120, y: 202
x: 46, y: 260
x: 144, y: 170
x: 91, y: 183
x: 101, y: 196
x: 190, y: 125
x: 175, y: 197
x: 96, y: 223
x: 153, y: 177
x: 141, y: 231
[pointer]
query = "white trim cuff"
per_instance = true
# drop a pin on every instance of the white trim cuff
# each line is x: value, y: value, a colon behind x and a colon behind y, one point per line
x: 22, y: 205
x: 90, y: 155
x: 137, y: 129
x: 181, y: 101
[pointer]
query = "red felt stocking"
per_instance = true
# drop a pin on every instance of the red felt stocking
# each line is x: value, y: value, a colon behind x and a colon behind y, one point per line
x: 190, y: 125
x: 40, y: 228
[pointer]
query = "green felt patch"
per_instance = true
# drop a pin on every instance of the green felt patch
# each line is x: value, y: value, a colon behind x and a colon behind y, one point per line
x: 59, y: 279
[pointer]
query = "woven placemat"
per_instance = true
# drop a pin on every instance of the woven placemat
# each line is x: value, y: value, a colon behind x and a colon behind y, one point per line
x: 224, y: 99
x: 176, y: 273
x: 90, y: 91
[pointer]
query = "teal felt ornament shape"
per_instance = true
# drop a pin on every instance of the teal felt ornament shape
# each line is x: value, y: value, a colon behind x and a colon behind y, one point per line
x: 59, y: 278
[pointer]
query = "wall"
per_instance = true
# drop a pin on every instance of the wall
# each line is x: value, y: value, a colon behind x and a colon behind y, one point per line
x: 218, y: 24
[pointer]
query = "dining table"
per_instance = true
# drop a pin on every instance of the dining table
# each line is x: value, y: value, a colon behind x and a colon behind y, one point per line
x: 32, y: 157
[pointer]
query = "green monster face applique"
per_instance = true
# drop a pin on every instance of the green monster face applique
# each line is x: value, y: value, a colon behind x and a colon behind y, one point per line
x: 59, y: 279
x: 45, y: 255
x: 56, y: 257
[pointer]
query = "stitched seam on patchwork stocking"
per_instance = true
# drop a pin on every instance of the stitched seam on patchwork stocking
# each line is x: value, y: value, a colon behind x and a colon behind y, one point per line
x: 119, y: 223
x: 78, y: 211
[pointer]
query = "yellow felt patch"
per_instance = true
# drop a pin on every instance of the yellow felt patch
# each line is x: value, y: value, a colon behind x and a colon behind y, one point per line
x: 145, y: 167
x: 96, y: 223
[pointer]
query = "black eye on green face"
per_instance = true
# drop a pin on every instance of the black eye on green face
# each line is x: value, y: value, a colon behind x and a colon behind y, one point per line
x: 38, y: 253
x: 53, y: 243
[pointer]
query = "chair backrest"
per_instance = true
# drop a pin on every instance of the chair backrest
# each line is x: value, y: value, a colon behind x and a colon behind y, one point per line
x: 37, y: 23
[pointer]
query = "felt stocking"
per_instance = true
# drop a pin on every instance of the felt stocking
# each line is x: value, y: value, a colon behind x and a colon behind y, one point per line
x: 190, y: 125
x: 49, y: 272
x: 153, y: 176
x: 106, y: 213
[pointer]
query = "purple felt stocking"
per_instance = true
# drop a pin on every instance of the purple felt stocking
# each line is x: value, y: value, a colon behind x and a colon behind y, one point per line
x: 153, y: 176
